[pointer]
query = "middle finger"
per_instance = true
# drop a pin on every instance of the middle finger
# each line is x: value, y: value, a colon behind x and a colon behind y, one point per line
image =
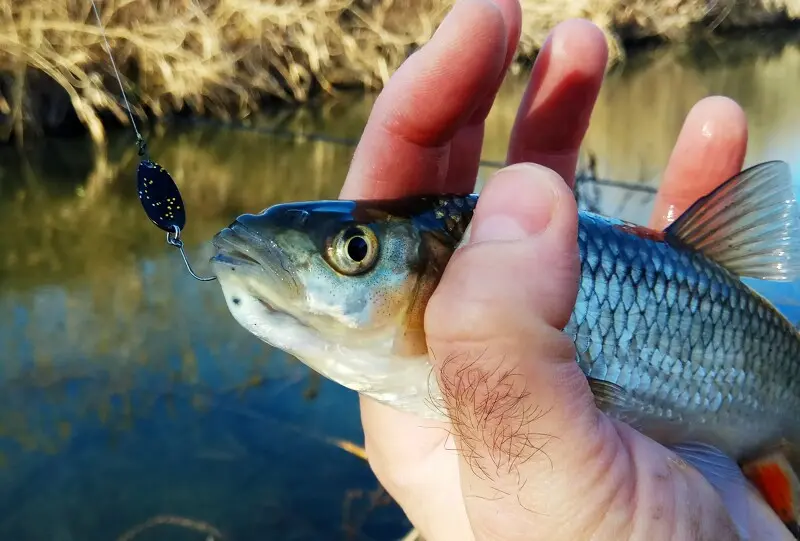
x: 558, y: 102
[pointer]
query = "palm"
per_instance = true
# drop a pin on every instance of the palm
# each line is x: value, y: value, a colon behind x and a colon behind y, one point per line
x: 425, y: 135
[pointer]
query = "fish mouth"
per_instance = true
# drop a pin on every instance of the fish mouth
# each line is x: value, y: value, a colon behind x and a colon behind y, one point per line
x: 258, y: 260
x: 233, y: 256
x: 254, y: 271
x: 231, y: 248
x: 238, y: 245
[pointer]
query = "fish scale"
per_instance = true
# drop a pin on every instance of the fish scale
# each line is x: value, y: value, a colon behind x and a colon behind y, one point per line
x: 678, y: 332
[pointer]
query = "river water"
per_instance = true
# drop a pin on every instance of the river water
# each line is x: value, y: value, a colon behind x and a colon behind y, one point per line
x: 129, y: 393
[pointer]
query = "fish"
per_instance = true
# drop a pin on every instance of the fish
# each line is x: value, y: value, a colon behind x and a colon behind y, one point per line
x: 670, y: 338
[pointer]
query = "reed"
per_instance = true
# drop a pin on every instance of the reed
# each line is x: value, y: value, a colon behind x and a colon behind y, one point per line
x: 228, y: 58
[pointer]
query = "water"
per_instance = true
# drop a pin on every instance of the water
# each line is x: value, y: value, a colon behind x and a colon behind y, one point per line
x: 129, y: 392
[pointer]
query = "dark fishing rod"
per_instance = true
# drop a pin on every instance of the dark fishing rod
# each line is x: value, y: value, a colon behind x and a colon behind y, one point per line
x: 159, y: 195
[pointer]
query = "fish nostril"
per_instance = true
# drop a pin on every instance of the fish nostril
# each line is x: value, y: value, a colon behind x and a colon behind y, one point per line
x: 298, y: 217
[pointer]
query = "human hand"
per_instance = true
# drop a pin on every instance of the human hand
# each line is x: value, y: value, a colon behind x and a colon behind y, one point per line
x: 506, y: 294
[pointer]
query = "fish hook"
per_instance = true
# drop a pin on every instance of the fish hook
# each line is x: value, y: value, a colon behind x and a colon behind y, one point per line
x: 159, y: 195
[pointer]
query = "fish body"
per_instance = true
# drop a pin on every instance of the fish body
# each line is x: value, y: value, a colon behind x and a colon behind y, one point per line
x: 678, y: 346
x: 670, y: 338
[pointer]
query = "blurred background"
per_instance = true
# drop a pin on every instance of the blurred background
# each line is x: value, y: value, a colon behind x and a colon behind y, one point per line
x: 132, y: 405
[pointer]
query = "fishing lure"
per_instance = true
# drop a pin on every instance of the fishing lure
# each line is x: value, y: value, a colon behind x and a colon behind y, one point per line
x: 159, y: 195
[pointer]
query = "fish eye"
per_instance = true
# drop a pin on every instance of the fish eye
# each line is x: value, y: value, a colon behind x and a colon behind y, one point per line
x: 353, y: 250
x: 357, y: 248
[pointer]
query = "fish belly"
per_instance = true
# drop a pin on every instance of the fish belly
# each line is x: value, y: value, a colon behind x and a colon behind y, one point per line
x: 694, y: 352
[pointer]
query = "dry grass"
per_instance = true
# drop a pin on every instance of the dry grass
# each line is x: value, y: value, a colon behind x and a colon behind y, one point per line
x: 216, y: 56
x: 226, y: 57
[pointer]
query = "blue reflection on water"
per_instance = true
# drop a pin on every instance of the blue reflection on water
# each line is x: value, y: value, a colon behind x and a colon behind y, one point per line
x: 116, y: 410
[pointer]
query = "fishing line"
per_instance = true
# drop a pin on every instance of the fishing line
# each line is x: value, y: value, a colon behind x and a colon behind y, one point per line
x: 159, y: 195
x: 161, y: 199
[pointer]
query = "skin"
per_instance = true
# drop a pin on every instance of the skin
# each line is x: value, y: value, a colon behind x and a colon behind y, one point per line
x: 526, y: 454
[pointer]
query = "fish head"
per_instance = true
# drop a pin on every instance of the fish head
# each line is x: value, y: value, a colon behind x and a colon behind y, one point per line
x: 341, y: 285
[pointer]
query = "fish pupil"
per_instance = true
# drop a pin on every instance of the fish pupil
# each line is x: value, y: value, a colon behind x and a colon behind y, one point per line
x: 357, y: 249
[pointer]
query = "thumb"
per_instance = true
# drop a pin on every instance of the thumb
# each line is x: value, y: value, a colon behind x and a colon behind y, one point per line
x: 524, y: 420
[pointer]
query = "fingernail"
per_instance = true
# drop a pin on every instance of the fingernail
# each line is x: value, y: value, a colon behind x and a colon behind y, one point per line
x: 518, y: 202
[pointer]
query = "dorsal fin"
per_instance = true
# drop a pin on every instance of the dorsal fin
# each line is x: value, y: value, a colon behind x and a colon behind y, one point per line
x: 750, y: 224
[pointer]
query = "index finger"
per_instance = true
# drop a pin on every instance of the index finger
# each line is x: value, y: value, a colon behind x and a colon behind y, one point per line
x: 405, y: 145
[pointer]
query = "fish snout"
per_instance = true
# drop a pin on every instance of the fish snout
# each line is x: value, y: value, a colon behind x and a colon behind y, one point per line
x: 232, y: 246
x: 257, y: 254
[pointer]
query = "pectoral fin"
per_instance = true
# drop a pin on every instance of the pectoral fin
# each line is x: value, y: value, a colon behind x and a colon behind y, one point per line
x: 725, y: 476
x: 616, y: 401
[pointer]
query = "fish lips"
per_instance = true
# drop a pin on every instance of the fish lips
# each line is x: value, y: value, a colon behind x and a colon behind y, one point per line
x: 239, y: 247
x: 233, y: 249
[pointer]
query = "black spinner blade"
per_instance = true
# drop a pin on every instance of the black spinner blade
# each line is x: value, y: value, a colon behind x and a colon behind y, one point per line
x: 160, y: 197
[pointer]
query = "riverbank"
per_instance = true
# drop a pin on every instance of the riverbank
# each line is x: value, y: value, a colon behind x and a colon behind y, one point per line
x: 229, y: 58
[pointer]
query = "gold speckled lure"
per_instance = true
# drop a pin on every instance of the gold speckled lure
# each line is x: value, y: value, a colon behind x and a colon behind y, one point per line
x: 162, y: 202
x: 159, y: 195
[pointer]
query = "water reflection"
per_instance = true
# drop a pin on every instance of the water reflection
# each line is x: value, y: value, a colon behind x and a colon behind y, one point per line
x: 129, y: 392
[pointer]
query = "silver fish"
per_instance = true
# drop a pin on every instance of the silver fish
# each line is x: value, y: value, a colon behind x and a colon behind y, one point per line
x: 343, y: 286
x: 669, y: 337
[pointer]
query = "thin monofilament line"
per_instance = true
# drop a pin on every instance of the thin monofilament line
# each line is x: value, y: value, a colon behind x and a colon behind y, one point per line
x: 116, y: 71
